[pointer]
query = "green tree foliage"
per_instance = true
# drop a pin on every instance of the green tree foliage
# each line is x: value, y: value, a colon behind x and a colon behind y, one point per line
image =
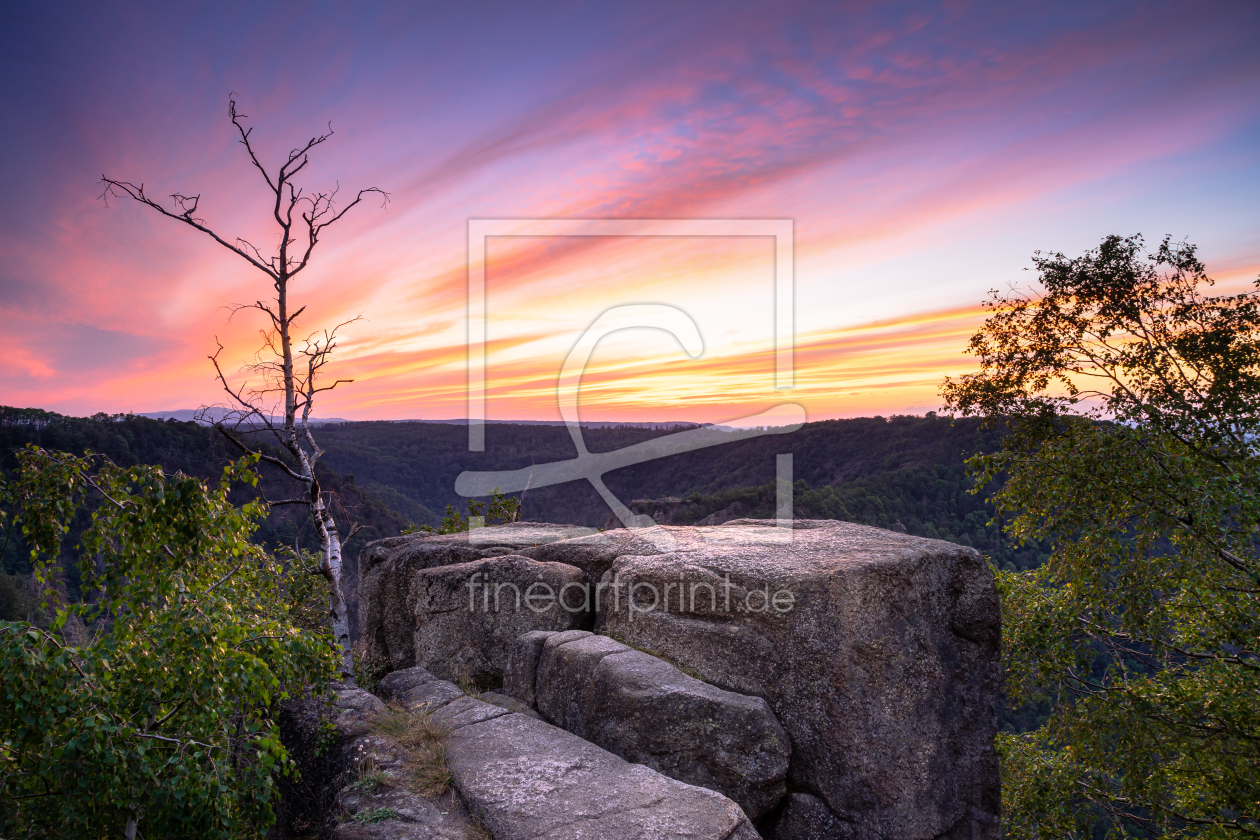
x: 198, y: 451
x: 150, y: 704
x: 1132, y: 398
x: 500, y: 510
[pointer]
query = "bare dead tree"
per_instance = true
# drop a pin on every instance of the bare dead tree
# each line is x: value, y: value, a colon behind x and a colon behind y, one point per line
x: 279, y: 371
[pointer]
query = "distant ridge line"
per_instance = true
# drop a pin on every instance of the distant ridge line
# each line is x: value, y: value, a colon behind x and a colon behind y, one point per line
x: 189, y: 415
x: 595, y: 424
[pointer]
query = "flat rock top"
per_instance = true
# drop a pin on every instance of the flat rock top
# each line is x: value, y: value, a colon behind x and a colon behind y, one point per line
x: 754, y: 545
x: 513, y: 535
x: 757, y: 546
x: 531, y: 780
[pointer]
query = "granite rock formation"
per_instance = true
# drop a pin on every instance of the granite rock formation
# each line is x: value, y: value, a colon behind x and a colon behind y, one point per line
x: 459, y: 620
x: 876, y: 651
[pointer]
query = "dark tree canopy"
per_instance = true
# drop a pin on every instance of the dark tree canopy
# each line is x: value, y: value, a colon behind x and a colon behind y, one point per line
x: 1122, y: 336
x: 1131, y: 396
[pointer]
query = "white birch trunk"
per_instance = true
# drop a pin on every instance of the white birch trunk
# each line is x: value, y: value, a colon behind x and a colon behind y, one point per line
x: 330, y: 542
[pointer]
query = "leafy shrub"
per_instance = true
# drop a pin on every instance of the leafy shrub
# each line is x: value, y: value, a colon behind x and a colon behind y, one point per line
x: 150, y: 704
x: 499, y: 510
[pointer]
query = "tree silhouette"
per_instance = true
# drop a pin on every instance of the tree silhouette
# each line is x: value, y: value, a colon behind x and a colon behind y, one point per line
x: 280, y: 371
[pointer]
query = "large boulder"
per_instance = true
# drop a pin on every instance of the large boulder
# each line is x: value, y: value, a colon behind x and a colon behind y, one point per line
x: 529, y: 780
x: 459, y: 620
x: 395, y: 684
x: 562, y: 683
x: 523, y: 778
x: 520, y: 675
x: 877, y: 651
x: 647, y: 711
x: 387, y: 568
x: 423, y: 550
x: 595, y: 553
x: 415, y: 689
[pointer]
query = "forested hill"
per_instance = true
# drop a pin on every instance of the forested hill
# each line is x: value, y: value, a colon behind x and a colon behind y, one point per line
x: 194, y: 450
x: 898, y: 472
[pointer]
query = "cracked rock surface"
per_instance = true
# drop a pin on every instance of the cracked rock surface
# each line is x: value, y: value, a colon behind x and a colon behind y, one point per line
x: 458, y: 620
x: 528, y: 779
x: 331, y: 743
x: 524, y: 778
x: 648, y: 712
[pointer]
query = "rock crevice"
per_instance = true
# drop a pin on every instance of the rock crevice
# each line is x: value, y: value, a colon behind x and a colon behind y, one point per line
x: 648, y: 712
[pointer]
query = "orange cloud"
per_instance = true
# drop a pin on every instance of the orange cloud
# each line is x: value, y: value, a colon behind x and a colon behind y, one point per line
x: 889, y: 366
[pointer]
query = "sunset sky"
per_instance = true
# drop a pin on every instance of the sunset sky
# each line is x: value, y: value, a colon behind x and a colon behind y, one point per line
x: 922, y: 151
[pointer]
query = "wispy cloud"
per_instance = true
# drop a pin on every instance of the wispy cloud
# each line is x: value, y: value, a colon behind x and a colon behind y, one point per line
x: 922, y: 151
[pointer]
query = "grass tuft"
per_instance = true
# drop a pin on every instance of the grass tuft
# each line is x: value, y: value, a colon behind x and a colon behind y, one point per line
x: 375, y: 815
x: 466, y: 684
x: 425, y: 740
x: 476, y: 830
x: 368, y: 777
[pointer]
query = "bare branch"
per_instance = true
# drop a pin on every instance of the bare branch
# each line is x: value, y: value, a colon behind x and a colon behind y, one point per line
x: 247, y: 244
x: 236, y: 121
x: 316, y: 227
x: 137, y: 193
x: 225, y: 578
x: 169, y: 714
x: 253, y: 406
